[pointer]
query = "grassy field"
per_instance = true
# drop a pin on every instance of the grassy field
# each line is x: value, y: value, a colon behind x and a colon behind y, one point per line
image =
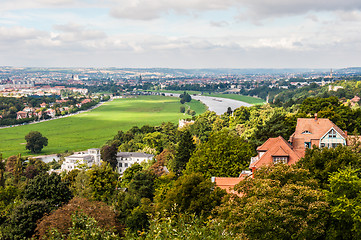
x: 94, y: 128
x: 247, y: 99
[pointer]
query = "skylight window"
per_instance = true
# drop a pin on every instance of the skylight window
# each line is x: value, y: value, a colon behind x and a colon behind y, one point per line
x: 306, y: 132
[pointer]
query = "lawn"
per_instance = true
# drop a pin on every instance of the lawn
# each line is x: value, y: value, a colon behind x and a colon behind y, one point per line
x: 94, y: 128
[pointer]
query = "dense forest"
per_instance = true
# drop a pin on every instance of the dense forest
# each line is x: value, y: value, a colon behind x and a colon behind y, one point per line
x: 173, y: 197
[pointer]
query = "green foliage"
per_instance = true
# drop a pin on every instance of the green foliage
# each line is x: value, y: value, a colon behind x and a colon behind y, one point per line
x: 185, y: 97
x: 103, y: 181
x: 344, y: 198
x: 83, y: 228
x: 129, y: 174
x: 182, y: 109
x: 109, y: 154
x: 142, y: 184
x: 280, y: 202
x: 22, y: 221
x: 48, y: 188
x: 225, y: 154
x: 325, y: 161
x: 35, y: 141
x: 183, y: 226
x: 184, y: 151
x: 192, y: 194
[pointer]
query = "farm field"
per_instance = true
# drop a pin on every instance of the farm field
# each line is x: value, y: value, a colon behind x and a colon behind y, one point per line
x: 94, y: 128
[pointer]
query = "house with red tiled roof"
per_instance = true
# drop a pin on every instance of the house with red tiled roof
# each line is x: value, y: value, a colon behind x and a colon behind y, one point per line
x: 21, y: 115
x: 321, y: 132
x: 274, y: 150
x: 227, y: 183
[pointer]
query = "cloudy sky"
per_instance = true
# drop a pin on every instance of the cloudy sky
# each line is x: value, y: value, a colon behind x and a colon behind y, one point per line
x: 181, y: 33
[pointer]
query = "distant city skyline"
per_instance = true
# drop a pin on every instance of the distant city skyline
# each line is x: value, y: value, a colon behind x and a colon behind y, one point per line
x: 180, y: 34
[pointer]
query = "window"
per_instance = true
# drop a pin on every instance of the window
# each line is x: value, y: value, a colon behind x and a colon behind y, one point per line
x: 306, y: 132
x: 125, y: 164
x: 280, y: 160
x: 322, y: 145
x: 334, y: 145
x: 307, y: 145
x: 120, y: 164
x: 332, y: 134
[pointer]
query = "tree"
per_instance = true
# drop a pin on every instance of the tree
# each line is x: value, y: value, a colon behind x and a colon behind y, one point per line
x: 229, y: 111
x: 103, y: 181
x: 35, y: 141
x: 225, y: 154
x: 109, y: 154
x: 183, y: 152
x: 323, y: 162
x: 182, y: 109
x: 61, y: 219
x: 192, y: 194
x: 22, y: 221
x: 49, y: 188
x: 344, y: 198
x: 280, y: 202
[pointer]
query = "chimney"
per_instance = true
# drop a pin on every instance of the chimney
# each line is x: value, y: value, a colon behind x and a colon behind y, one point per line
x: 346, y: 133
x: 316, y: 116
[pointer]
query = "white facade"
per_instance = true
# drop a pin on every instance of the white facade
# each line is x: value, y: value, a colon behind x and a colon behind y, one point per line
x: 92, y: 156
x: 127, y: 159
x: 89, y: 158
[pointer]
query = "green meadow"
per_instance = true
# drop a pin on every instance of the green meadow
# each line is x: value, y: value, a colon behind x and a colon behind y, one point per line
x: 92, y: 129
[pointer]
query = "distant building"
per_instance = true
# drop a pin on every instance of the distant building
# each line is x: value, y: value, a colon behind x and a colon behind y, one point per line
x: 88, y: 158
x: 334, y: 88
x: 182, y: 123
x: 92, y: 157
x: 127, y: 159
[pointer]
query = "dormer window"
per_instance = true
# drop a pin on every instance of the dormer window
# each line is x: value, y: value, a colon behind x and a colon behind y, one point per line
x: 306, y: 132
x: 280, y: 159
x: 332, y: 134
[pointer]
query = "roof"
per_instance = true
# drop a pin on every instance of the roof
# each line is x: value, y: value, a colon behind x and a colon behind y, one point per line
x: 134, y: 154
x: 227, y: 183
x: 275, y: 147
x: 317, y: 128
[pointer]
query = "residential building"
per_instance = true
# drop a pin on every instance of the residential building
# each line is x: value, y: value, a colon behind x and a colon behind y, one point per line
x: 88, y: 158
x: 127, y: 159
x: 273, y: 151
x: 321, y: 132
x: 92, y: 157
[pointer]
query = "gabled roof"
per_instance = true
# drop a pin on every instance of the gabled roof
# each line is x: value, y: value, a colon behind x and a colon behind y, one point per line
x: 317, y: 127
x: 280, y: 153
x: 275, y: 147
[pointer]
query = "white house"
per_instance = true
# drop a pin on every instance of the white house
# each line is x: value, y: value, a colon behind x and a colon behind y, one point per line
x: 127, y: 159
x: 92, y: 156
x: 89, y: 158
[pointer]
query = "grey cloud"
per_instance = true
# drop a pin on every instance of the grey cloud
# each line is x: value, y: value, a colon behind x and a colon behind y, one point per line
x: 251, y: 9
x: 147, y: 10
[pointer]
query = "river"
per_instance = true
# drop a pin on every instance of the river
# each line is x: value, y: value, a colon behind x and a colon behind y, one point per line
x: 216, y: 104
